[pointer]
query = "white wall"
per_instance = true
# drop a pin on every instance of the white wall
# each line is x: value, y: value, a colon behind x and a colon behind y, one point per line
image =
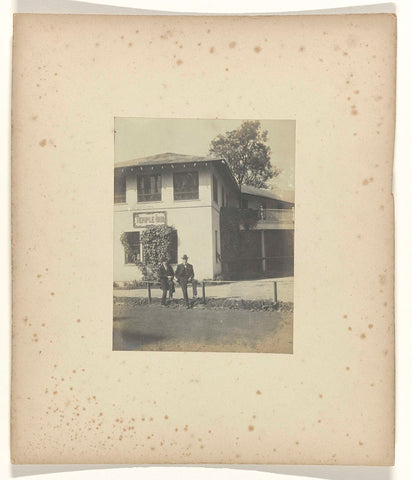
x: 233, y: 202
x: 193, y: 225
x: 228, y: 188
x: 215, y: 227
x: 191, y: 218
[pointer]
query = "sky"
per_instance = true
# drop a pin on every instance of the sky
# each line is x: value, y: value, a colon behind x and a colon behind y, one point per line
x: 142, y: 137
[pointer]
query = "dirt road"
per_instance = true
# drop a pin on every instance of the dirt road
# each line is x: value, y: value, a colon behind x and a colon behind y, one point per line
x: 152, y: 327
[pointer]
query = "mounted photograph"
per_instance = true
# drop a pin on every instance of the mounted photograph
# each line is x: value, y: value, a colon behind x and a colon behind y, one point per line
x: 203, y: 245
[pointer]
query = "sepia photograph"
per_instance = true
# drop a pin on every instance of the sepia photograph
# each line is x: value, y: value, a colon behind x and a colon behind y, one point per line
x: 203, y: 247
x: 170, y: 176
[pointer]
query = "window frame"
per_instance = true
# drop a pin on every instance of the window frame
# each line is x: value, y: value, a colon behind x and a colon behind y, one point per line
x: 146, y: 200
x: 217, y: 252
x: 215, y: 189
x: 197, y: 193
x: 116, y: 179
x: 139, y: 253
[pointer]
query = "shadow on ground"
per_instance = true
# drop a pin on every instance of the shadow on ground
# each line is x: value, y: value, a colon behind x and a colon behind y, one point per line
x: 152, y: 327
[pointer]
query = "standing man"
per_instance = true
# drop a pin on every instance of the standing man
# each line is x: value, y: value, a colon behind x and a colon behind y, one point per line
x: 185, y: 274
x: 166, y: 275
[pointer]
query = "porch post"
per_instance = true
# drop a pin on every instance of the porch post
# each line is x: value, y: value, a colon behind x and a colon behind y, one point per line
x: 262, y: 237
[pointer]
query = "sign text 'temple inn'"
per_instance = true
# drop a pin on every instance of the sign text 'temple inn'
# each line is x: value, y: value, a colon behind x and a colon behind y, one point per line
x: 152, y: 218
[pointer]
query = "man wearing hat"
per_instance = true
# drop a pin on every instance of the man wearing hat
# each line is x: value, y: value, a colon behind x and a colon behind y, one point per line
x: 165, y: 275
x: 185, y: 274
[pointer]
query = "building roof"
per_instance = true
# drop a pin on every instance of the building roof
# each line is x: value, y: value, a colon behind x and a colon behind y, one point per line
x: 258, y: 192
x: 165, y: 159
x: 179, y: 158
x: 174, y: 159
x: 262, y: 192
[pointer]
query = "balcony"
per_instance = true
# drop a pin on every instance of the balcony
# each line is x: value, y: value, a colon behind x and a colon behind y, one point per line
x: 274, y: 219
x: 277, y: 215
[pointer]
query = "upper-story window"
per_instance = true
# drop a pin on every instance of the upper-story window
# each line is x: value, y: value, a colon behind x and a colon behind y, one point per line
x: 223, y: 197
x: 149, y: 188
x: 186, y: 185
x: 120, y: 189
x: 215, y: 189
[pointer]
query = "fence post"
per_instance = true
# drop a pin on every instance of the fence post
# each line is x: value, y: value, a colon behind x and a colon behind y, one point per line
x: 149, y: 292
x: 204, y: 292
x: 275, y: 291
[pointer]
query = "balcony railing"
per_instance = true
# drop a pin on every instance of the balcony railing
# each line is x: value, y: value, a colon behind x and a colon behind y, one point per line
x: 272, y: 215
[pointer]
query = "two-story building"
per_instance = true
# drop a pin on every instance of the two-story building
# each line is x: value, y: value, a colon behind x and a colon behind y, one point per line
x: 187, y: 193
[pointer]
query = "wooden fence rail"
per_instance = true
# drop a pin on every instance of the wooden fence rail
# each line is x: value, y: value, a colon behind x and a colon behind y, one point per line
x: 215, y: 282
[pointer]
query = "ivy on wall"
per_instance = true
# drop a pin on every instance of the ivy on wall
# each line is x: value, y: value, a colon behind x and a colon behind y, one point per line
x: 231, y: 221
x: 159, y: 243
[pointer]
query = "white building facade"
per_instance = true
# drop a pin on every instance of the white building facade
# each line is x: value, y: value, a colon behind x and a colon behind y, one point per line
x: 181, y: 191
x: 186, y: 193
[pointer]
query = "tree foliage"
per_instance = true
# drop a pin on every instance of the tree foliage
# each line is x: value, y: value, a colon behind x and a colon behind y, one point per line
x: 247, y: 154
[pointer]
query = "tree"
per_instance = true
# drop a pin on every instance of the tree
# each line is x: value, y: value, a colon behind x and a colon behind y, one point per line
x: 247, y: 154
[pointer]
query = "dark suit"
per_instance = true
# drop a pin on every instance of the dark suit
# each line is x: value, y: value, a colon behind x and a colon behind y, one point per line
x: 166, y: 283
x: 184, y: 274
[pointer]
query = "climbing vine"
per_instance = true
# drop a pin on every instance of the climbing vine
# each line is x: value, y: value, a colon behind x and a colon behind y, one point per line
x: 159, y: 243
x: 231, y: 221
